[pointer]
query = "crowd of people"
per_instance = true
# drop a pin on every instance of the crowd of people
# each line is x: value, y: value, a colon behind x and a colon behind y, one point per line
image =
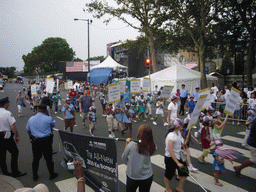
x: 121, y: 116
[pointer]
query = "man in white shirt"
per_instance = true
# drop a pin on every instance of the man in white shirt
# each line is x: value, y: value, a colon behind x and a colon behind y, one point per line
x: 227, y: 92
x: 173, y: 109
x: 214, y: 88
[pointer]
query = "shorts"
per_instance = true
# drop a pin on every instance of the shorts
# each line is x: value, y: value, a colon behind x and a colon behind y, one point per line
x: 148, y: 109
x: 206, y: 152
x: 112, y: 124
x: 253, y: 154
x: 92, y: 126
x: 161, y: 115
x: 84, y: 115
x: 216, y: 136
x: 237, y: 113
x: 19, y: 108
x: 69, y: 122
x: 119, y: 117
x: 171, y: 166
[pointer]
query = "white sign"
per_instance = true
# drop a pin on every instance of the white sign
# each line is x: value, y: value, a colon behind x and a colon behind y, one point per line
x: 208, y: 98
x: 69, y: 84
x: 197, y: 111
x: 232, y: 101
x: 66, y: 85
x: 57, y: 84
x: 49, y: 85
x: 114, y: 92
x: 135, y: 86
x: 122, y: 85
x: 145, y: 85
x: 33, y: 90
x: 166, y: 92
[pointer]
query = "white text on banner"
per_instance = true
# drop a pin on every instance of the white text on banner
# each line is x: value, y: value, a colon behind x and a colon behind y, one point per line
x: 113, y: 92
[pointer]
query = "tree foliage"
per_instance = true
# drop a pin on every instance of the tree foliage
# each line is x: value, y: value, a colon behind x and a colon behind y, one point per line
x: 101, y: 58
x: 9, y: 71
x: 46, y: 56
x: 144, y: 11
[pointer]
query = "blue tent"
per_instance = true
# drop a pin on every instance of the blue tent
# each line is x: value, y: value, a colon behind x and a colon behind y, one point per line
x: 99, y: 75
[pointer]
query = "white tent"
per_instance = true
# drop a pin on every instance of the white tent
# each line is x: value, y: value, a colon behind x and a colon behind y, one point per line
x: 176, y: 74
x: 109, y: 62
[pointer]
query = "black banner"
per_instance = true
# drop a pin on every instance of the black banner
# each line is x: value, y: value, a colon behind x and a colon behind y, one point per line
x: 98, y: 158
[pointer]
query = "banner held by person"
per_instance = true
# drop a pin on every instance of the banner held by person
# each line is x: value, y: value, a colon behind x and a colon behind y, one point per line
x: 98, y: 158
x: 207, y: 102
x: 146, y: 85
x: 166, y: 92
x: 122, y: 85
x: 196, y: 111
x: 69, y: 84
x: 49, y: 85
x: 33, y: 90
x: 135, y: 86
x: 114, y: 92
x: 232, y: 101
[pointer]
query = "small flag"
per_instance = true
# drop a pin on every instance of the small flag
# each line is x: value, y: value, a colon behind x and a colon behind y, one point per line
x: 228, y: 153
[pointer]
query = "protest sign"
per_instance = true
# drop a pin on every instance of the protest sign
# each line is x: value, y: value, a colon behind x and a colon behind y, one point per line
x: 98, y: 157
x: 57, y: 84
x: 197, y: 111
x: 207, y: 102
x: 146, y: 85
x: 135, y: 86
x: 70, y: 85
x: 113, y: 92
x: 166, y: 92
x: 122, y: 85
x: 33, y: 90
x: 49, y: 85
x: 232, y: 101
x: 66, y: 85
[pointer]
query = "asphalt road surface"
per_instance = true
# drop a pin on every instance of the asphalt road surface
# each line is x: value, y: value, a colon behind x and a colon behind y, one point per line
x: 232, y: 137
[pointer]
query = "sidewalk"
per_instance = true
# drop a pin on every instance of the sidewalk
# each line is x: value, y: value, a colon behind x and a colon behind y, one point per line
x: 9, y: 184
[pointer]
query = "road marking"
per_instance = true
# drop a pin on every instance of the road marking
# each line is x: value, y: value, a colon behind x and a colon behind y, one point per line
x: 202, y: 178
x: 250, y: 172
x: 59, y: 118
x: 234, y: 139
x: 70, y: 185
x: 242, y: 133
x: 122, y: 177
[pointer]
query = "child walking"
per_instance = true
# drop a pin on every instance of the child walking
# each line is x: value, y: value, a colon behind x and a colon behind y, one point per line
x: 111, y: 119
x: 218, y: 125
x: 92, y: 119
x: 218, y: 164
x: 148, y: 106
x: 128, y: 113
x: 142, y: 102
x: 160, y: 111
x: 205, y: 139
x: 69, y: 115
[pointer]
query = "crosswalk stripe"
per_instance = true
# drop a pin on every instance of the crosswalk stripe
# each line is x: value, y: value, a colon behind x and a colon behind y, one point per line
x: 241, y: 133
x: 202, y: 178
x: 70, y: 185
x: 234, y: 139
x: 246, y: 172
x: 246, y: 153
x: 122, y: 177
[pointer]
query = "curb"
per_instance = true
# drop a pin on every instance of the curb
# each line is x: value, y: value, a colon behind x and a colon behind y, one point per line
x: 9, y: 184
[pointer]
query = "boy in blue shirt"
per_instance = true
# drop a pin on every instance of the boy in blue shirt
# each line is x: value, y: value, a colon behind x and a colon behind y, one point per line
x: 69, y: 115
x: 191, y: 105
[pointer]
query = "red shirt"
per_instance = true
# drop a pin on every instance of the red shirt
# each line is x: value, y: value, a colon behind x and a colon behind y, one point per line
x: 205, y: 133
x: 72, y: 94
x: 178, y: 94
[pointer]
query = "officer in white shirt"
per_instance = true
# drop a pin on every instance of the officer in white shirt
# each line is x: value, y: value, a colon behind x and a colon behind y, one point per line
x: 7, y: 142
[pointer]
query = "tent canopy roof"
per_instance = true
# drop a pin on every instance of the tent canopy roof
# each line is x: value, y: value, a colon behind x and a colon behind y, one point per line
x: 109, y: 62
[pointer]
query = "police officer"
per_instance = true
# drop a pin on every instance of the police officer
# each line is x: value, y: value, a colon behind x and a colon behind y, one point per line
x: 39, y: 129
x: 7, y: 142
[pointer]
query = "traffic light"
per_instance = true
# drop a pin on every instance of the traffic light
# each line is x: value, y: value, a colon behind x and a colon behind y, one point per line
x: 148, y: 61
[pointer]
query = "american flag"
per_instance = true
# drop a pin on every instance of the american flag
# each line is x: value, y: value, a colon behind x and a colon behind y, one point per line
x: 74, y: 66
x: 228, y: 153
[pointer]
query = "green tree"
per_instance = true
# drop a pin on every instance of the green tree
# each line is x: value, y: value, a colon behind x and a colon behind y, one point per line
x: 101, y: 58
x: 227, y: 65
x: 9, y: 71
x: 144, y: 11
x: 46, y: 56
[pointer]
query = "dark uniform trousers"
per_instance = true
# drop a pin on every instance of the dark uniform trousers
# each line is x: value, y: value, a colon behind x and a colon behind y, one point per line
x: 8, y: 145
x: 42, y: 146
x: 183, y: 101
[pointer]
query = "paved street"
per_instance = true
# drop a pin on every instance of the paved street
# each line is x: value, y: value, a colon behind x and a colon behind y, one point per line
x: 232, y: 137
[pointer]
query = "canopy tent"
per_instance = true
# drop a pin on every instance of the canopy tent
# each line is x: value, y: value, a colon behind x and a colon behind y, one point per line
x: 109, y: 62
x: 176, y: 75
x: 101, y: 72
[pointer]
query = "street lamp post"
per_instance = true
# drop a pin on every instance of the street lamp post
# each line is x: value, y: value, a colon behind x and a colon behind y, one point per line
x: 88, y: 22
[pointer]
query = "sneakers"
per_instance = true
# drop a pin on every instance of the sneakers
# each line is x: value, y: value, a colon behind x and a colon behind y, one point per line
x: 193, y: 169
x: 53, y: 176
x: 84, y: 125
x: 154, y: 123
x: 56, y: 112
x: 113, y: 135
x: 134, y: 121
x: 151, y: 118
x: 110, y: 136
x: 201, y: 160
x: 233, y: 123
x: 165, y: 124
x: 194, y: 127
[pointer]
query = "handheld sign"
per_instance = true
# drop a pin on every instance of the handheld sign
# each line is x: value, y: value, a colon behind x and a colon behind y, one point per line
x: 232, y: 101
x: 70, y: 84
x: 145, y: 85
x: 122, y: 85
x: 113, y: 92
x: 33, y: 90
x: 135, y: 86
x: 197, y: 111
x: 49, y: 85
x: 166, y: 92
x: 208, y: 98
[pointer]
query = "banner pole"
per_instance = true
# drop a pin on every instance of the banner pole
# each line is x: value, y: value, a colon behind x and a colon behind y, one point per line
x: 223, y: 127
x: 123, y: 139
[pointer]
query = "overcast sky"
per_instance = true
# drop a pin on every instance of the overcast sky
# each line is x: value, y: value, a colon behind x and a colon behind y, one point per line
x: 26, y: 23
